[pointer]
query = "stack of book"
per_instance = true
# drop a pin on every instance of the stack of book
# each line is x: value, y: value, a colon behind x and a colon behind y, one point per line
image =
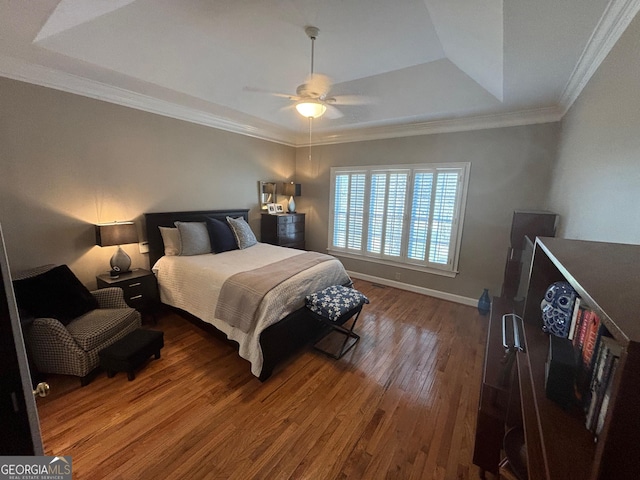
x: 598, y: 356
x: 600, y: 385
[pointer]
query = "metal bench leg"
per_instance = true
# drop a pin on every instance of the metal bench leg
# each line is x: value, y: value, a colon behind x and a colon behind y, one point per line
x: 348, y: 334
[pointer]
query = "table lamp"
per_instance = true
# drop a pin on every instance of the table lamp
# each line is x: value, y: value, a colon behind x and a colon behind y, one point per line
x: 293, y: 190
x: 117, y: 233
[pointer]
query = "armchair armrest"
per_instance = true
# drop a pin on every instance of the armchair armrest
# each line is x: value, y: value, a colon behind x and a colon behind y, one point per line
x: 48, y: 335
x: 110, y: 297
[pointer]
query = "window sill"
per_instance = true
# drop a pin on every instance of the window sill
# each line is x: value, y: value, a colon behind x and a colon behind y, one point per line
x: 406, y: 266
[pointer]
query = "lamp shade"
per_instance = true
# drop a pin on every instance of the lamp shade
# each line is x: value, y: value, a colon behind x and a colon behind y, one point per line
x: 119, y: 233
x: 311, y: 108
x: 292, y: 189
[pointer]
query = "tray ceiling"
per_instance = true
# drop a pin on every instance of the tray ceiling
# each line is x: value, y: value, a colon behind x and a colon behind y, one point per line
x: 426, y: 65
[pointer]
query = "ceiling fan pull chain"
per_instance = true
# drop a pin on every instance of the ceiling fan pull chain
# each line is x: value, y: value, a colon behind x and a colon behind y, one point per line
x: 310, y: 120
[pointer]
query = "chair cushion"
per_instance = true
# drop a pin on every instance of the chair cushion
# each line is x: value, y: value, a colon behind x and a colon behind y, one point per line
x: 333, y: 302
x: 56, y: 293
x: 96, y: 327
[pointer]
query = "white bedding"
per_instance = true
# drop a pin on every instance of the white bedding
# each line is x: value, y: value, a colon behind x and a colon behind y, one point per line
x: 193, y: 283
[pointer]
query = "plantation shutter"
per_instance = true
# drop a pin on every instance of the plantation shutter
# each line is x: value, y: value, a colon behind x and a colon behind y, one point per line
x: 409, y: 215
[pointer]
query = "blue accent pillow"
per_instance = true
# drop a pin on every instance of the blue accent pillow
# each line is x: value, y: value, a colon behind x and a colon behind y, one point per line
x: 221, y: 236
x: 56, y: 293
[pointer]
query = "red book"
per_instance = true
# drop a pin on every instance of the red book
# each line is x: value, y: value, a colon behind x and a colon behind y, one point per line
x: 590, y: 339
x: 584, y: 322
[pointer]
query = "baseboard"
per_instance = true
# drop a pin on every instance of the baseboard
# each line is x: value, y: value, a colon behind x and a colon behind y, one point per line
x: 472, y: 302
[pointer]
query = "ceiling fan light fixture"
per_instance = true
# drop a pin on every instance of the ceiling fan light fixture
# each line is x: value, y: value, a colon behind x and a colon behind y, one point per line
x: 310, y: 108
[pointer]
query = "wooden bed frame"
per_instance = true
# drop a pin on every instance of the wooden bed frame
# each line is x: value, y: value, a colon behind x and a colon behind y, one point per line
x: 278, y: 341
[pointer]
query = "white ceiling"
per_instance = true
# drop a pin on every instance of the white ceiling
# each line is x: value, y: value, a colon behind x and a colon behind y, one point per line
x: 428, y: 65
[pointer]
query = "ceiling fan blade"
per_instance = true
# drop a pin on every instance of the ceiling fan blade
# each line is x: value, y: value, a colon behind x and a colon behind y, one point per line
x: 333, y: 113
x: 275, y: 94
x: 286, y: 108
x: 350, y: 100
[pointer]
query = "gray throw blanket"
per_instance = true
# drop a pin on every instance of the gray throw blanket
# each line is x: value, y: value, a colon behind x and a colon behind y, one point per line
x: 242, y: 293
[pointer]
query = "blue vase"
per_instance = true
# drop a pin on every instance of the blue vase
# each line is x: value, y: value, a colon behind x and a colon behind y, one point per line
x: 484, y: 302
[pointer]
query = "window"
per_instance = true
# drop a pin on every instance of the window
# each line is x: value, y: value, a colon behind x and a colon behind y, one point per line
x: 409, y: 214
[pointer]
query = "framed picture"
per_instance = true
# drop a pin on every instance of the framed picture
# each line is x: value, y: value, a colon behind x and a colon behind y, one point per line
x: 279, y: 208
x: 271, y: 208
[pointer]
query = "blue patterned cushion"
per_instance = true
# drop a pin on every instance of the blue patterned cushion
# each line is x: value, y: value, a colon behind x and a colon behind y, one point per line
x: 242, y: 231
x: 335, y: 301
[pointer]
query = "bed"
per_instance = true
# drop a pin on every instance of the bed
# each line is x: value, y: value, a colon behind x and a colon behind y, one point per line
x: 195, y: 284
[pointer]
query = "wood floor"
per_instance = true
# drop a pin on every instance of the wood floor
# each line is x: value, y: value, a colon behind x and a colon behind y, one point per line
x: 401, y: 405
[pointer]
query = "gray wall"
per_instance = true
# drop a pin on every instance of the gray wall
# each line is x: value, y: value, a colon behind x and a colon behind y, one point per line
x: 68, y: 162
x: 596, y: 184
x: 510, y: 169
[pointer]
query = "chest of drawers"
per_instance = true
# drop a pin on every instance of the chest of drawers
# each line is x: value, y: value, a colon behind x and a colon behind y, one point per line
x: 286, y: 230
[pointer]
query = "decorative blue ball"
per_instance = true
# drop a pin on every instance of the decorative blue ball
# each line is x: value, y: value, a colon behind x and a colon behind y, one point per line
x: 557, y: 308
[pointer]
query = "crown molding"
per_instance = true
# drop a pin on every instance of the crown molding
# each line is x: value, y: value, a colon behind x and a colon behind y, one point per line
x: 21, y: 70
x: 480, y: 122
x: 17, y: 69
x: 614, y: 21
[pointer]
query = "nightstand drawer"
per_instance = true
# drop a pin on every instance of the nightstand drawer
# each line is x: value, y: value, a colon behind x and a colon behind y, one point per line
x: 138, y: 301
x: 139, y: 288
x: 134, y: 292
x: 132, y: 289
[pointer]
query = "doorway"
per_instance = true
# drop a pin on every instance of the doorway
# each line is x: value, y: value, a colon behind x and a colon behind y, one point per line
x: 18, y: 413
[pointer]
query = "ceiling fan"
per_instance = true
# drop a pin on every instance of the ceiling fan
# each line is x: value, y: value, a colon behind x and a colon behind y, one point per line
x: 312, y: 99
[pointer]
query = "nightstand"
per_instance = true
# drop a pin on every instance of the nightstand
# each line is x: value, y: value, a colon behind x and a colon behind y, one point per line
x: 286, y: 230
x: 139, y: 287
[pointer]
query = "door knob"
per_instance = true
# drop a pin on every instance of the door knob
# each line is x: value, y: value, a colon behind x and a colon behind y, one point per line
x: 42, y: 389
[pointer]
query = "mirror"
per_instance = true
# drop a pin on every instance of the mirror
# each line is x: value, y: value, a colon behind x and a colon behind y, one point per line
x: 267, y: 193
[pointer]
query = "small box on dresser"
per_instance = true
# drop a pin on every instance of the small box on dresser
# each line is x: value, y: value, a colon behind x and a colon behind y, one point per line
x: 286, y: 230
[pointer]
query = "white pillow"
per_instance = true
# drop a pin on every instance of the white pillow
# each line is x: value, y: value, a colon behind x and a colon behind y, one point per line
x: 171, y: 240
x: 194, y: 238
x: 242, y: 231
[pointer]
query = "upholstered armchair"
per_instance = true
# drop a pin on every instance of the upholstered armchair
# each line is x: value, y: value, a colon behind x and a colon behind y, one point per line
x: 70, y: 324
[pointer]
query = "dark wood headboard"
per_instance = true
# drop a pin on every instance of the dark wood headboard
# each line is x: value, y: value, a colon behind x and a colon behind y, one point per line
x: 166, y: 219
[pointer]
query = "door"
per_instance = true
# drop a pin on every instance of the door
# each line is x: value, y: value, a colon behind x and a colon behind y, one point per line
x: 18, y: 414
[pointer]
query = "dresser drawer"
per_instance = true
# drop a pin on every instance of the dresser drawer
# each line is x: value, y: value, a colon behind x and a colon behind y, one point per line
x: 297, y: 245
x: 291, y: 218
x: 292, y: 237
x: 287, y: 229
